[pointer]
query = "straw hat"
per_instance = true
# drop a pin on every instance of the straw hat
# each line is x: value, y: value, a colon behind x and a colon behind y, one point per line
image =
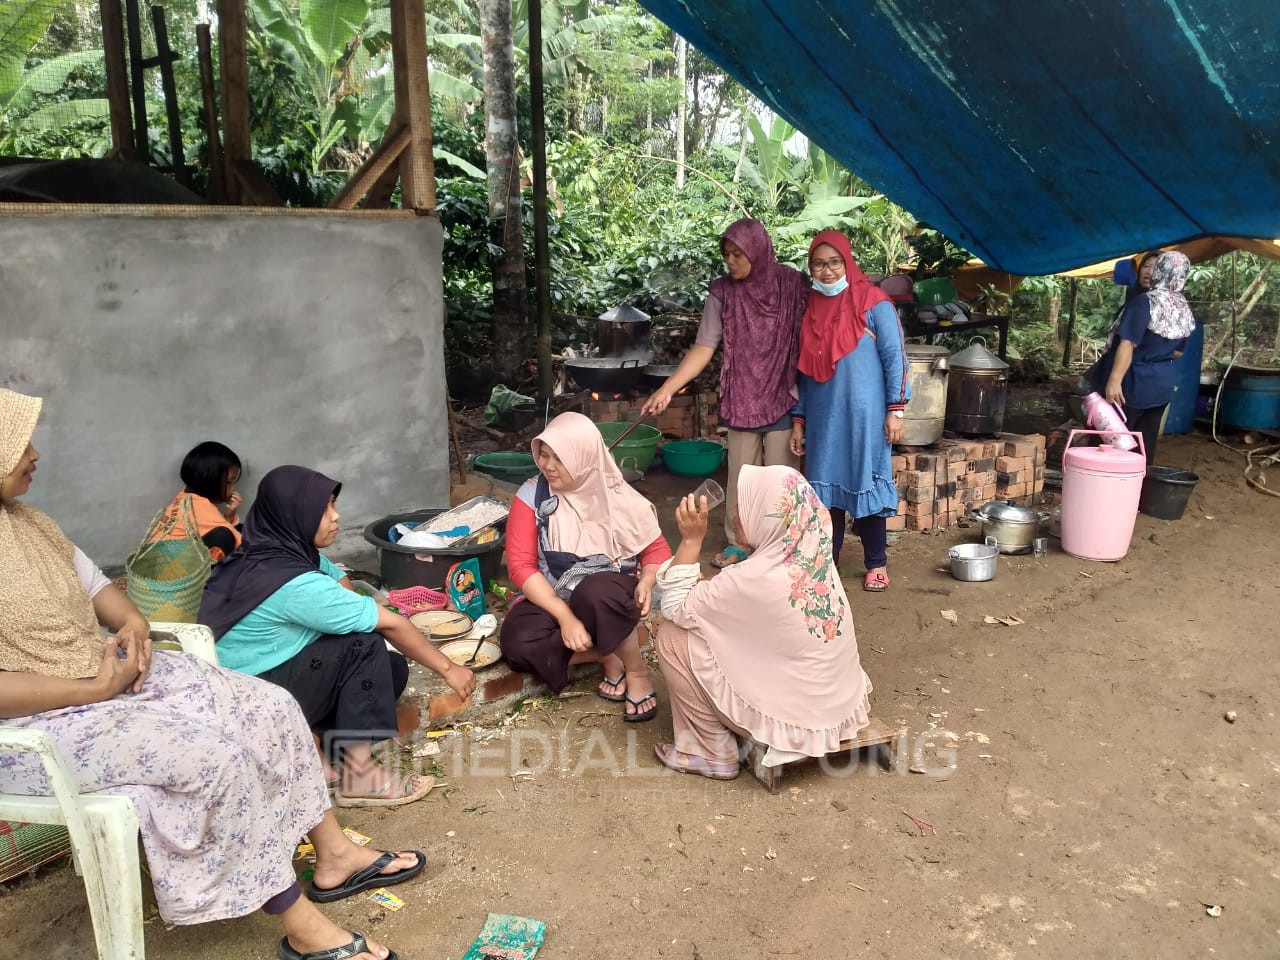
x: 18, y: 416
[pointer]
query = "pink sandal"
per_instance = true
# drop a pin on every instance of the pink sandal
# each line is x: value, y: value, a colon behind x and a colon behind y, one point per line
x: 875, y: 583
x: 669, y: 756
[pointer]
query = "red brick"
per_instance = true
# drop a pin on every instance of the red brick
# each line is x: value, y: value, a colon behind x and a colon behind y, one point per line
x: 919, y: 509
x: 913, y: 478
x: 924, y: 462
x: 1038, y: 440
x: 982, y: 465
x: 895, y: 524
x: 983, y: 478
x: 902, y: 508
x: 989, y: 492
x: 446, y: 705
x: 1016, y: 490
x: 920, y: 494
x: 955, y: 450
x: 899, y: 464
x: 992, y: 450
x: 408, y: 717
x: 920, y: 523
x: 502, y: 686
x: 1020, y: 447
x: 1008, y: 464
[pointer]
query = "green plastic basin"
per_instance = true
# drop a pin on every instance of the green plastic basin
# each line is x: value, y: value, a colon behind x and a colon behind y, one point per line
x: 693, y: 458
x: 639, y: 446
x: 511, y: 466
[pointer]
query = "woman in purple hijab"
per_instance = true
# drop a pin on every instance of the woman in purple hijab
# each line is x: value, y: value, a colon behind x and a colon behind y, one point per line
x: 755, y: 311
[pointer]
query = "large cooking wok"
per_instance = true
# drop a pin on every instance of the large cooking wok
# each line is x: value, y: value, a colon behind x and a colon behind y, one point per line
x: 605, y: 374
x: 656, y: 374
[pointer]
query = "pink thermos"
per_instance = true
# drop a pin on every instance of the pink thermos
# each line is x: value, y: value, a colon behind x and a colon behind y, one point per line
x: 1100, y: 491
x: 1109, y: 418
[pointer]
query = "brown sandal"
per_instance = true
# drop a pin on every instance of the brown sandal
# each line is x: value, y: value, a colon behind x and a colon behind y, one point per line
x: 379, y: 798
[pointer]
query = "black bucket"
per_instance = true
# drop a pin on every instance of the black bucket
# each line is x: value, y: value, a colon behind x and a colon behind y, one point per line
x: 415, y: 566
x: 1165, y: 492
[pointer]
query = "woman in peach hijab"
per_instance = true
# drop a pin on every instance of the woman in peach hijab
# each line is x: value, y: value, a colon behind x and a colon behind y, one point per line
x: 584, y: 549
x: 766, y: 648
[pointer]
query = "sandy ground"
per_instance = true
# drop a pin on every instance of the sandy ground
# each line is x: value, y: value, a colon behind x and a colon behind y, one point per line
x: 1099, y: 800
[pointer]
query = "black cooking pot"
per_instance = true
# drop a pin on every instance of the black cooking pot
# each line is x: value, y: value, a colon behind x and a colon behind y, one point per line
x: 656, y: 374
x: 604, y: 374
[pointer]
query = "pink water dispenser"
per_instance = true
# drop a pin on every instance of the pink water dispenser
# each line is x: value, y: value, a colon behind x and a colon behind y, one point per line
x: 1100, y: 491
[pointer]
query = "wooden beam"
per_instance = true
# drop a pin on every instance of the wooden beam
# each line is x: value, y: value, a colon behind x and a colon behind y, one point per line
x: 138, y: 81
x: 233, y: 60
x: 378, y: 196
x: 112, y: 15
x: 392, y: 146
x: 251, y: 187
x: 209, y: 93
x: 413, y: 103
x: 166, y: 56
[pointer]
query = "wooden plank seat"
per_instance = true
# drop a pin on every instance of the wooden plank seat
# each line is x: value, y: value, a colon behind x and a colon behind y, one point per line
x: 875, y: 734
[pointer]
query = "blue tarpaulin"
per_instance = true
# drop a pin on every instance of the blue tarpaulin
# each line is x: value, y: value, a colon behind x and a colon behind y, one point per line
x: 1040, y: 136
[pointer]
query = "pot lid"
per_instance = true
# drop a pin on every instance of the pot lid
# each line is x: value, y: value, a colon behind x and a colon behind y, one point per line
x: 623, y: 313
x: 1006, y: 510
x: 923, y: 351
x: 1103, y: 459
x: 977, y: 357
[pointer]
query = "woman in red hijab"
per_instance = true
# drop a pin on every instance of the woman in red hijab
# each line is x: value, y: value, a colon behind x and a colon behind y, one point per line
x: 853, y: 390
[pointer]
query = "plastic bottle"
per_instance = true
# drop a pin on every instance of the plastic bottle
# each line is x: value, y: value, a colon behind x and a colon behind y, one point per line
x: 1101, y: 415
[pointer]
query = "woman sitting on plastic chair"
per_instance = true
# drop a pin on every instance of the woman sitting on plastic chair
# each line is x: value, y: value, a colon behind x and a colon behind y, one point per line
x: 220, y: 767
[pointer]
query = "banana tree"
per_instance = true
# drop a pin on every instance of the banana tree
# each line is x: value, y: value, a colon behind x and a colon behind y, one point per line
x: 23, y: 24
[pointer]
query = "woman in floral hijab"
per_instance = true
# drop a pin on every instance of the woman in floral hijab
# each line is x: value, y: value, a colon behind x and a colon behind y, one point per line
x: 766, y: 648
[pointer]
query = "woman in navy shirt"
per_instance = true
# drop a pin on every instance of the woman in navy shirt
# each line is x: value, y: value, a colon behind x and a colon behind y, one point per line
x: 1136, y: 371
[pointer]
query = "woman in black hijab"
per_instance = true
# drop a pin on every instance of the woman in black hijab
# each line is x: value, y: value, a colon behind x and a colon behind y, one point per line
x: 280, y: 612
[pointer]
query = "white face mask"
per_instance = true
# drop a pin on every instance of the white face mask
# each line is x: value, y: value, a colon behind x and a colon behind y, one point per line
x: 831, y: 289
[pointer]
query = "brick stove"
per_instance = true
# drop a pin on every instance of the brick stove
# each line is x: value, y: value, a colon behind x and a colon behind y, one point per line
x: 688, y: 416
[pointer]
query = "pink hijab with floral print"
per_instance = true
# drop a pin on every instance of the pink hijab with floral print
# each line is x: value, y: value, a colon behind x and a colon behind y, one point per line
x: 780, y: 659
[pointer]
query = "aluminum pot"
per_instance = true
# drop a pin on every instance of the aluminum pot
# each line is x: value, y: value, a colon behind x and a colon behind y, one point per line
x: 623, y: 331
x: 977, y: 389
x: 1011, y: 526
x: 923, y: 422
x: 975, y: 562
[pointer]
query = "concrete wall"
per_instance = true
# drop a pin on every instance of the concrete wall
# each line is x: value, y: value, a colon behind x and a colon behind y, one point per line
x: 292, y: 339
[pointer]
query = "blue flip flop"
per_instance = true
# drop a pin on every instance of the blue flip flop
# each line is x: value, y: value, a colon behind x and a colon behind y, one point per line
x: 733, y: 554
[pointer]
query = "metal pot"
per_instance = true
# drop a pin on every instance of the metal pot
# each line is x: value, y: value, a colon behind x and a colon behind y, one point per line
x: 1011, y: 526
x: 923, y: 421
x: 977, y: 389
x: 975, y: 562
x: 604, y: 374
x: 623, y: 331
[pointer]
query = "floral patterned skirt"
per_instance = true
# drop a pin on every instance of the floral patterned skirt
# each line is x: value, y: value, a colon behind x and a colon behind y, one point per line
x: 222, y: 772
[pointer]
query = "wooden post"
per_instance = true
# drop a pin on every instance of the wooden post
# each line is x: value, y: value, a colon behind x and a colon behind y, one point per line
x: 413, y: 103
x: 217, y: 172
x: 117, y: 77
x: 165, y: 58
x: 137, y: 78
x: 392, y: 147
x: 237, y: 142
x: 1071, y: 323
x: 541, y: 253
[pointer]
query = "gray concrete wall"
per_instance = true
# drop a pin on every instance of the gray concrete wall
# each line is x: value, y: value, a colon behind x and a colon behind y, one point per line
x: 292, y: 339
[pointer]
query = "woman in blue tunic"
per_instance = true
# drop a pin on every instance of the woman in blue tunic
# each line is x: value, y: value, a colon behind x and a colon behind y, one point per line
x: 853, y: 391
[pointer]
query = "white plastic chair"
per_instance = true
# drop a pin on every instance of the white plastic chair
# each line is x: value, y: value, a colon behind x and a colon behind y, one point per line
x: 103, y: 827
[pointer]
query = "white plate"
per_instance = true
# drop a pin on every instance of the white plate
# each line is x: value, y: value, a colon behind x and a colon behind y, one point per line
x: 440, y: 625
x: 459, y: 651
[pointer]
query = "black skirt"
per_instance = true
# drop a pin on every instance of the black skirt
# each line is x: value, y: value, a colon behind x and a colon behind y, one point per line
x: 531, y: 638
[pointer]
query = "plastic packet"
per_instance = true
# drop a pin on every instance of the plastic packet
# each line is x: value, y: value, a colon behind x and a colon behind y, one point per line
x: 464, y: 586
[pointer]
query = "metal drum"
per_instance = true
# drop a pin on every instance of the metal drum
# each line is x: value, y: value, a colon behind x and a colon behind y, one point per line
x: 977, y: 390
x: 925, y: 414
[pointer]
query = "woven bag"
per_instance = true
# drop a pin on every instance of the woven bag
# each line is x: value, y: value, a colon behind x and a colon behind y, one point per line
x: 167, y: 577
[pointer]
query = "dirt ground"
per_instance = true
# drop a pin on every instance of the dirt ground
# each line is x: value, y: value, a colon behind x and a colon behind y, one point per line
x: 1096, y: 803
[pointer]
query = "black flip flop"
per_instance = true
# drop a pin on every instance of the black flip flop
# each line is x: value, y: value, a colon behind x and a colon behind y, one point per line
x: 357, y: 946
x: 366, y: 879
x: 641, y: 716
x: 613, y: 697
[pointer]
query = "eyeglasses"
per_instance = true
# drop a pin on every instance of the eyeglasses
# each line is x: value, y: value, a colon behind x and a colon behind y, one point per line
x: 834, y: 265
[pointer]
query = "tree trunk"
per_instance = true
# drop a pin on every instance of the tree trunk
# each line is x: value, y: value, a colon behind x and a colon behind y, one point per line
x: 502, y: 163
x: 682, y: 56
